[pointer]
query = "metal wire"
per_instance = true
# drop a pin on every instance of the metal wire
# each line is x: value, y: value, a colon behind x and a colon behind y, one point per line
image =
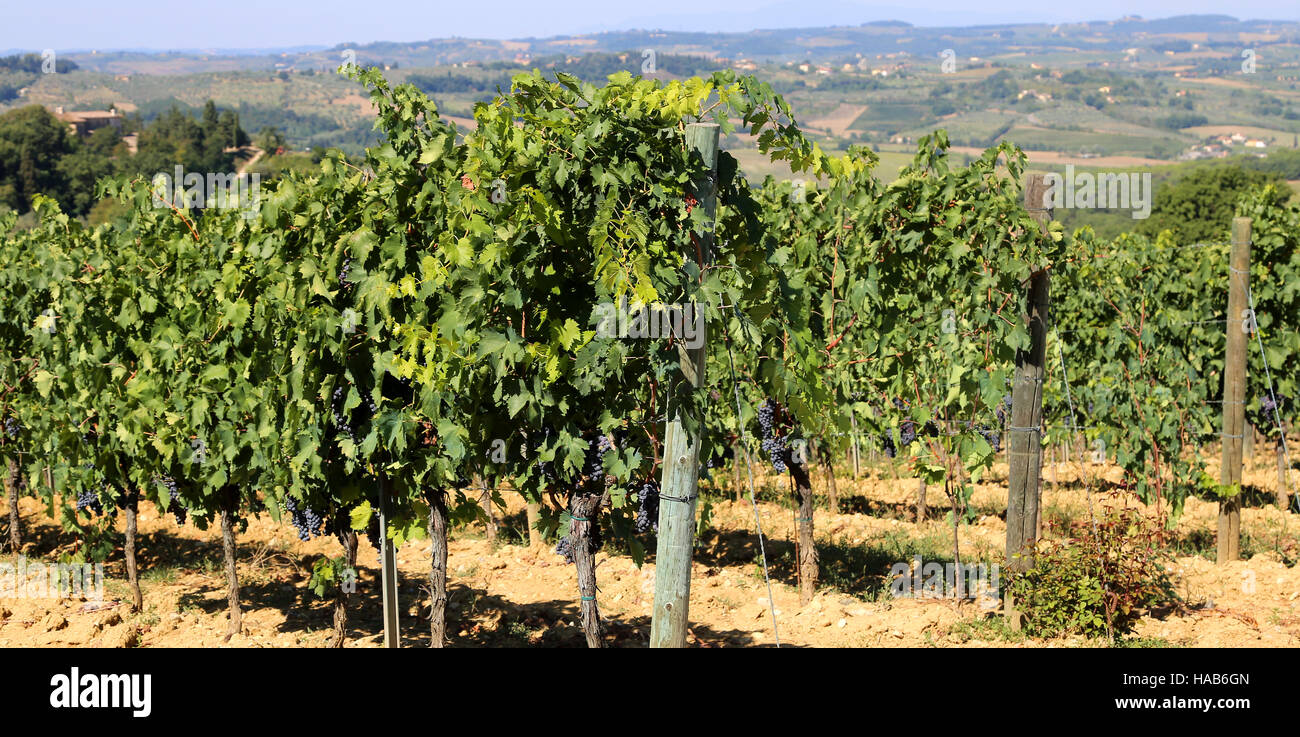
x: 749, y: 468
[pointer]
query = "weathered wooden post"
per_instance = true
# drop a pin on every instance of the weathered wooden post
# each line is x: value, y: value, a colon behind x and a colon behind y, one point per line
x: 11, y: 482
x: 853, y: 428
x: 681, y: 450
x: 1024, y: 435
x: 388, y: 576
x: 1234, y: 389
x: 534, y: 514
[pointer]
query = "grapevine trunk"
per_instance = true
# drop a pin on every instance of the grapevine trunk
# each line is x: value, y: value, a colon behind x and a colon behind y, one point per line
x: 583, y: 507
x: 132, y: 571
x: 349, y: 541
x: 489, y: 512
x: 232, y: 573
x: 829, y: 468
x: 807, y: 548
x: 438, y: 568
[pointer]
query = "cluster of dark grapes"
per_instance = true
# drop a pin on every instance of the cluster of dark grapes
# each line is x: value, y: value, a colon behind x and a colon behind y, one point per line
x: 1004, y: 409
x: 595, y: 460
x: 993, y: 438
x: 373, y: 533
x: 1270, y: 411
x: 340, y: 422
x: 565, y: 548
x: 12, y: 427
x: 306, y: 519
x: 775, y: 446
x: 594, y: 543
x: 89, y: 500
x: 343, y: 275
x: 647, y: 500
x: 907, y: 433
x: 887, y: 444
x: 178, y: 508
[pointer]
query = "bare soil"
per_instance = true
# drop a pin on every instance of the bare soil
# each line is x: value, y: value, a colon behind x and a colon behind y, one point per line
x: 508, y: 594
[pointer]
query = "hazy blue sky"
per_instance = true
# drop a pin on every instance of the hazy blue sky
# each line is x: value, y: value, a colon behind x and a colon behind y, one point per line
x: 164, y: 24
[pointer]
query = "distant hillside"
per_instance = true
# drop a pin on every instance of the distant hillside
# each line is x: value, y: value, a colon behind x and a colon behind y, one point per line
x: 780, y: 45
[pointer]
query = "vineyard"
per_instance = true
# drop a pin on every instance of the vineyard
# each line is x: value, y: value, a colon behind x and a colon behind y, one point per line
x: 573, y: 372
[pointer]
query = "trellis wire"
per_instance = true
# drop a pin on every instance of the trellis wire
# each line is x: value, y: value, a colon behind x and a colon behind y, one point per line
x: 1065, y: 379
x: 749, y: 468
x: 1268, y: 374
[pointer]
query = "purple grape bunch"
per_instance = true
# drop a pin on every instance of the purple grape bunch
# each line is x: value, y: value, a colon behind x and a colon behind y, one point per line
x: 344, y: 270
x: 336, y: 409
x: 647, y: 500
x: 907, y: 433
x: 178, y: 509
x: 305, y: 519
x: 887, y: 444
x: 1003, y: 409
x: 595, y: 469
x: 89, y: 501
x: 775, y: 446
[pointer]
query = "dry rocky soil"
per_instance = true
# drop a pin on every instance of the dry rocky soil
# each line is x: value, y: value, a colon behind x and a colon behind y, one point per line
x: 506, y: 594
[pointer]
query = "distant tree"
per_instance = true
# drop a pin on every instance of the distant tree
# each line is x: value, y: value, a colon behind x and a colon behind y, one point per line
x: 34, y: 63
x: 998, y: 86
x: 1182, y: 120
x: 31, y: 143
x: 198, y: 145
x: 229, y: 131
x: 1198, y: 206
x: 81, y: 171
x: 269, y: 139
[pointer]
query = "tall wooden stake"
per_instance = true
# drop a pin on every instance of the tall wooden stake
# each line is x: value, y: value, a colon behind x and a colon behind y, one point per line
x: 681, y: 451
x: 1234, y: 390
x: 1024, y: 436
x: 853, y: 425
x: 388, y: 581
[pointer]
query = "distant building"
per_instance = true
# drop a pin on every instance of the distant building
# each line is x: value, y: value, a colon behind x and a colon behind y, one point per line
x: 83, y: 123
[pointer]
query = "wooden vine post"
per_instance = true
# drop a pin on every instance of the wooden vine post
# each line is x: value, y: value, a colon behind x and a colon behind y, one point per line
x: 11, y: 482
x: 1234, y: 390
x: 1024, y: 435
x: 853, y: 428
x: 681, y: 451
x: 388, y: 575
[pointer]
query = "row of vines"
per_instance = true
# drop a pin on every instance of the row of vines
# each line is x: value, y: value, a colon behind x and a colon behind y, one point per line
x: 425, y: 321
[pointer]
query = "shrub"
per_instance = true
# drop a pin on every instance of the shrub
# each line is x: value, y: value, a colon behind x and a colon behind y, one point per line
x: 1088, y: 579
